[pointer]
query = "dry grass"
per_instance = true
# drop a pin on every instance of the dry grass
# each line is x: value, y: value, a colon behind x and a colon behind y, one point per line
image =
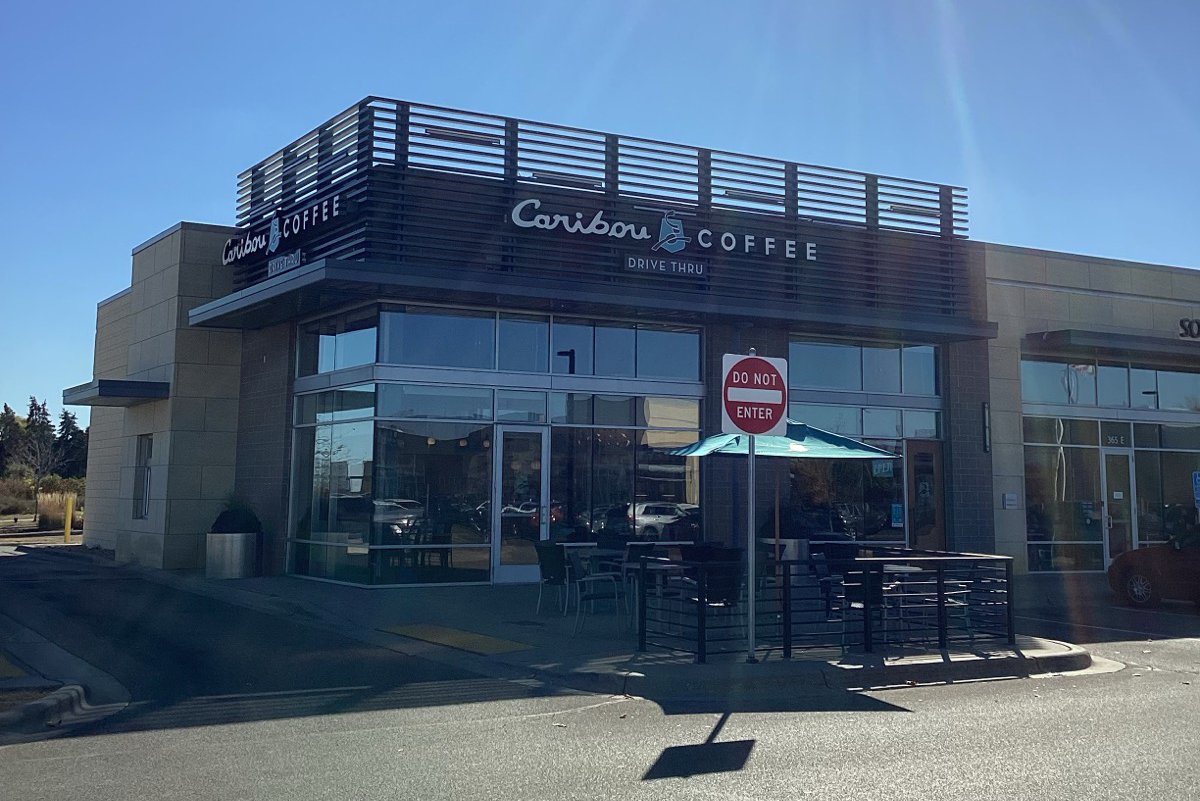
x: 52, y: 511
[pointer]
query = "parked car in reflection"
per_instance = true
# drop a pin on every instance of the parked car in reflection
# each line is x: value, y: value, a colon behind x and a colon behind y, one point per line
x: 612, y: 519
x: 1145, y: 576
x: 399, y: 513
x: 658, y: 520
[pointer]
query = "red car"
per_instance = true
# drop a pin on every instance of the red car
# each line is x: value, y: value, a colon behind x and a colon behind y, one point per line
x: 1145, y: 576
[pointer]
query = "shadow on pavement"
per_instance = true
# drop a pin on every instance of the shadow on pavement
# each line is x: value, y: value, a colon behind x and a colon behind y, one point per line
x: 188, y: 660
x: 681, y: 761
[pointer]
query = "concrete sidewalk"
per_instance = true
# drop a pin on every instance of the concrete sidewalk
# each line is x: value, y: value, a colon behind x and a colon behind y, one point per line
x: 494, y: 630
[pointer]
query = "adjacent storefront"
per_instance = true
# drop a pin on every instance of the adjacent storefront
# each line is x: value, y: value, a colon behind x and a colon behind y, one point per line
x: 1095, y: 406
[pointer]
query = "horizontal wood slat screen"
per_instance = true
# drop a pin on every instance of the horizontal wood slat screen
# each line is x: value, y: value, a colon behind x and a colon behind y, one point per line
x: 428, y: 185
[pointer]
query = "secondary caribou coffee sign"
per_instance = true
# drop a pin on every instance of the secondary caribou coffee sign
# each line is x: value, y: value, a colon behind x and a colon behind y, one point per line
x: 673, y: 238
x: 283, y: 230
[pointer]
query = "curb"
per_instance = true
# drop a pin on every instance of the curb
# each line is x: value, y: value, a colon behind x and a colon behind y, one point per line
x: 67, y: 706
x: 1007, y: 667
x: 46, y: 711
x: 661, y: 684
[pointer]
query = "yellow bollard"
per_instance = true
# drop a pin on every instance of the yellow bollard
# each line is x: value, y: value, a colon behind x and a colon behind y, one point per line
x: 70, y: 519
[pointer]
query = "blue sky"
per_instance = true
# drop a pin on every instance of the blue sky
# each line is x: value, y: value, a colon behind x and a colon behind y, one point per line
x: 1073, y: 124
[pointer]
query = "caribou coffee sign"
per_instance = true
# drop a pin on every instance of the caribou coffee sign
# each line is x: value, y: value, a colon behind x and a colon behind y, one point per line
x: 673, y: 236
x: 284, y: 230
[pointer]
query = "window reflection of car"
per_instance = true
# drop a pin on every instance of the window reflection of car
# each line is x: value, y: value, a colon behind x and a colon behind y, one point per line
x: 611, y: 519
x: 659, y: 519
x: 400, y: 513
x: 1145, y: 576
x: 351, y: 509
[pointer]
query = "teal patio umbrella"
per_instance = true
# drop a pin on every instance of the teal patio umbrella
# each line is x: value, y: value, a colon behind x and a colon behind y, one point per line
x: 802, y: 442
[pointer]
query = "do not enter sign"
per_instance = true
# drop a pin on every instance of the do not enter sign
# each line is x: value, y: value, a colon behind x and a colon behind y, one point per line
x: 753, y: 395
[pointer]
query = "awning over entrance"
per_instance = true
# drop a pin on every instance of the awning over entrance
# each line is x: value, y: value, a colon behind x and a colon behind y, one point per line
x: 115, y: 392
x: 1105, y: 343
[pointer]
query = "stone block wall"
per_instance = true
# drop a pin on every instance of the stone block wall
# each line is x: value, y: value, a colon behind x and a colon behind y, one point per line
x: 143, y: 335
x: 102, y: 518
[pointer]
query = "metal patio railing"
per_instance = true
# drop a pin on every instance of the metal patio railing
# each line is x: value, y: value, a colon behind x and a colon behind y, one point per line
x: 880, y: 598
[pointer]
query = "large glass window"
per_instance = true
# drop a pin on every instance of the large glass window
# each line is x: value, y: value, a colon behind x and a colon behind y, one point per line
x: 346, y: 340
x: 524, y: 344
x: 615, y: 351
x: 1178, y: 390
x: 881, y: 369
x: 336, y: 405
x: 615, y: 480
x: 891, y: 369
x: 433, y: 494
x: 1062, y: 493
x: 519, y: 343
x: 921, y: 424
x: 668, y: 353
x: 1063, y: 500
x: 1058, y: 382
x: 141, y: 476
x: 1143, y: 388
x: 438, y: 338
x: 920, y: 370
x: 845, y: 420
x: 519, y: 406
x: 614, y: 410
x: 572, y: 343
x: 1112, y: 385
x: 669, y: 413
x: 624, y: 350
x: 836, y: 498
x: 434, y: 402
x: 822, y: 365
x: 1060, y: 431
x: 332, y: 501
x: 881, y: 423
x: 1147, y: 467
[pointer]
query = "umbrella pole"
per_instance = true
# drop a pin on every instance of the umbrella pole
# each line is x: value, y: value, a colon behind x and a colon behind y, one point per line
x: 750, y: 558
x: 776, y: 513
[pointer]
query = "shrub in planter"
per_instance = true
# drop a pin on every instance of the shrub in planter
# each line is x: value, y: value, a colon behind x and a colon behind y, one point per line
x: 236, y: 518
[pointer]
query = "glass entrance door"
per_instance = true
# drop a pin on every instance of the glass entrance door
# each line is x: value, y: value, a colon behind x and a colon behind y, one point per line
x: 520, y: 511
x: 926, y: 502
x: 1120, y: 524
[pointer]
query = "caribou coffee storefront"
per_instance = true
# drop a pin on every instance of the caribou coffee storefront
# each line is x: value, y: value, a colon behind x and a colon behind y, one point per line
x: 443, y: 337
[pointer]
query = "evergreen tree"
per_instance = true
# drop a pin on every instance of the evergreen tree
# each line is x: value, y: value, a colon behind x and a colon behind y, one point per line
x: 37, y: 449
x: 11, y: 433
x: 71, y: 445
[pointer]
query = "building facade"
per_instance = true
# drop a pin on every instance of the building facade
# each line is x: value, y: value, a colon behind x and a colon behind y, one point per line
x: 436, y: 338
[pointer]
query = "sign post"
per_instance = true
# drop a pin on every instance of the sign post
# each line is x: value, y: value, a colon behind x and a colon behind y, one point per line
x: 753, y: 403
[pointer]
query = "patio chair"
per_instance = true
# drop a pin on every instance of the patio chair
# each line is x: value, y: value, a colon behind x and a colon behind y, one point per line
x: 591, y: 586
x: 552, y: 565
x: 864, y: 592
